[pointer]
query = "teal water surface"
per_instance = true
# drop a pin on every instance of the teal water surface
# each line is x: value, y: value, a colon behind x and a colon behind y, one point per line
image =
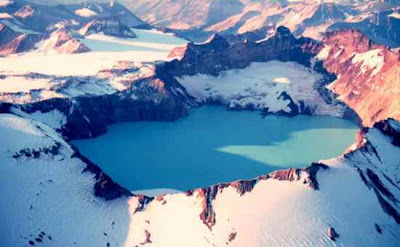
x: 213, y: 145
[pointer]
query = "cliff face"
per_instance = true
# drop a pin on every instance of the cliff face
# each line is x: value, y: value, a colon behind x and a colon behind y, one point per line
x: 217, y: 54
x: 368, y: 75
x: 237, y: 62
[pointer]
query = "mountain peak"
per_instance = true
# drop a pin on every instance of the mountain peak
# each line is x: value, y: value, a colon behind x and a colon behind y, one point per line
x: 111, y: 26
x: 61, y: 41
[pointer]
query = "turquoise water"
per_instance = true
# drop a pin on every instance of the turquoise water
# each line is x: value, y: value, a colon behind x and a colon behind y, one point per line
x: 213, y: 145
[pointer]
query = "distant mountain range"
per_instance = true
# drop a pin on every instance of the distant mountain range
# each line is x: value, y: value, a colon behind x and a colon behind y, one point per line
x: 198, y: 19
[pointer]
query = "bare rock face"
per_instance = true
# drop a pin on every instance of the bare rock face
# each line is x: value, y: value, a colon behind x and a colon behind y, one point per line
x: 62, y: 42
x: 332, y: 233
x: 368, y: 75
x: 217, y: 54
x: 18, y: 43
x: 111, y: 26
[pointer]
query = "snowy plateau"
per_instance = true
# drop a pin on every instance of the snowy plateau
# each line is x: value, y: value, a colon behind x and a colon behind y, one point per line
x: 70, y: 70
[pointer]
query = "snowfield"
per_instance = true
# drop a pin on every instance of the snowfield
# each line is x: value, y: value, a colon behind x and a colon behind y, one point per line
x: 261, y: 85
x: 42, y: 194
x: 106, y: 52
x: 14, y: 84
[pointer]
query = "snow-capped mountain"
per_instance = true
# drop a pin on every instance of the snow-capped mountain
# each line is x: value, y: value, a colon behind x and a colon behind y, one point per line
x: 310, y: 18
x: 183, y: 14
x: 61, y: 41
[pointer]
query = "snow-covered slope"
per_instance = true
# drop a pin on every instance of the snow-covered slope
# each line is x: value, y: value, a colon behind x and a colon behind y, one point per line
x: 44, y: 187
x: 347, y: 201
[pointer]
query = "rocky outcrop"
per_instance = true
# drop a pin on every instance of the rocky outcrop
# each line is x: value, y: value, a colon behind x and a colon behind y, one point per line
x: 307, y: 176
x: 111, y: 26
x: 333, y: 235
x: 368, y: 75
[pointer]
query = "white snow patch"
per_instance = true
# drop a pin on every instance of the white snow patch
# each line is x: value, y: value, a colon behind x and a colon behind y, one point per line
x: 372, y: 59
x: 395, y: 15
x: 324, y: 53
x: 281, y: 80
x: 85, y: 12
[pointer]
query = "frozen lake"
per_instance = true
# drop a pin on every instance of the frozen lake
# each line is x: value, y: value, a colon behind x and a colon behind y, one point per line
x: 213, y: 145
